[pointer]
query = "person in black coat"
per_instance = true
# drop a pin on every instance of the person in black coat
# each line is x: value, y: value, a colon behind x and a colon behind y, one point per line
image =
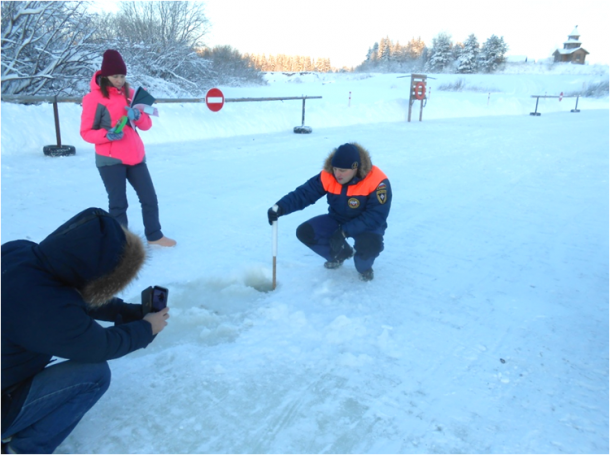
x: 52, y: 294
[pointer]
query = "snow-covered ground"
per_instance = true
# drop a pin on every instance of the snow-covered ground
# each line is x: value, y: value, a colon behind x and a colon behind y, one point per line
x: 484, y: 331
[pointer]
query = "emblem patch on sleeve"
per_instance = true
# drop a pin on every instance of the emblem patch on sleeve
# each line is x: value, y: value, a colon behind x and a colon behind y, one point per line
x: 382, y: 193
x: 354, y: 203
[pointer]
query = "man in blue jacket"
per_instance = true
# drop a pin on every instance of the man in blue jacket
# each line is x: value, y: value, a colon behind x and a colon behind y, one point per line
x: 52, y: 294
x: 359, y: 198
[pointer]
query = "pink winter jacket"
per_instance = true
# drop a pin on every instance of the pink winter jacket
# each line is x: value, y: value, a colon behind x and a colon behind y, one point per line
x: 100, y: 115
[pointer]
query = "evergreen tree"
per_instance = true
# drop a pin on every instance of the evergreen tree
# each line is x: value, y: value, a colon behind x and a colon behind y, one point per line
x: 271, y: 65
x: 398, y: 53
x: 374, y: 54
x: 319, y: 65
x: 415, y: 47
x: 327, y: 66
x: 384, y: 51
x: 281, y: 63
x: 291, y: 63
x: 492, y: 53
x: 389, y: 56
x: 440, y: 54
x: 468, y: 59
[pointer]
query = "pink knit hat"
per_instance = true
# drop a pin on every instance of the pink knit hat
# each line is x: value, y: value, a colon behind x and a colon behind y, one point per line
x: 113, y: 63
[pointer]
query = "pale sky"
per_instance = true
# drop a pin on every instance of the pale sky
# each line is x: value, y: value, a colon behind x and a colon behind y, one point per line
x: 343, y: 30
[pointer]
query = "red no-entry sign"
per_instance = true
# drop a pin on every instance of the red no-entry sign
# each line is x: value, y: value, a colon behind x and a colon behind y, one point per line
x: 214, y: 99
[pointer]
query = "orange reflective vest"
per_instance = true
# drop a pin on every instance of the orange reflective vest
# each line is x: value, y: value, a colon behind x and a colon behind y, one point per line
x: 360, y: 206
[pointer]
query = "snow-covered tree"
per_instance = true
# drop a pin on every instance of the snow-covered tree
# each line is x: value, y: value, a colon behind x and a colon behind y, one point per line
x: 228, y: 61
x: 164, y: 24
x: 440, y: 55
x: 492, y: 53
x: 398, y: 53
x: 385, y: 49
x: 44, y: 47
x: 270, y: 64
x: 469, y: 56
x: 320, y: 65
x: 374, y: 56
x: 164, y: 40
x: 326, y: 65
x: 282, y: 62
x: 389, y: 56
x: 415, y: 47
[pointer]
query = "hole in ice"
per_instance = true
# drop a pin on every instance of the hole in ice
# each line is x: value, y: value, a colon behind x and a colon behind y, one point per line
x: 256, y: 278
x: 224, y: 293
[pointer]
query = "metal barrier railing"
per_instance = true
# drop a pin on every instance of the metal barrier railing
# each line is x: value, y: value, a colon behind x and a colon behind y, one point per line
x: 70, y: 99
x: 536, y: 113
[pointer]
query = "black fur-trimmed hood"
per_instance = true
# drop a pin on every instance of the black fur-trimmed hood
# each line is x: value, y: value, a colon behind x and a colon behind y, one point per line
x: 93, y: 253
x: 365, y: 161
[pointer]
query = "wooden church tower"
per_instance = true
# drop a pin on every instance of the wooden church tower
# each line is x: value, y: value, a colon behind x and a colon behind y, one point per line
x: 572, y: 50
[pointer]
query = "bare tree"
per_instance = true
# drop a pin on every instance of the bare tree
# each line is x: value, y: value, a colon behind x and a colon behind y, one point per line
x: 44, y: 46
x: 164, y: 23
x: 159, y: 39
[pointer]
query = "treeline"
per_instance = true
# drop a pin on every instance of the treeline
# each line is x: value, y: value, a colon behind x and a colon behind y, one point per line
x: 55, y: 47
x: 443, y: 56
x: 386, y: 54
x: 282, y: 62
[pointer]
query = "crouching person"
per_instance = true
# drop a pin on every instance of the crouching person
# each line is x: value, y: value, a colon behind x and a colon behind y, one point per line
x: 52, y: 294
x: 359, y: 198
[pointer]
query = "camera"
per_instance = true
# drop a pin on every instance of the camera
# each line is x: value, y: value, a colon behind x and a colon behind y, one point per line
x: 154, y: 298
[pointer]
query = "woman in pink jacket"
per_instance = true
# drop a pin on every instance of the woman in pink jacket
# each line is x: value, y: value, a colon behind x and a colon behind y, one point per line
x: 120, y: 157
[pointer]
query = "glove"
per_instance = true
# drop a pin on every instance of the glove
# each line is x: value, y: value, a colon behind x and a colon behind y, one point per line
x: 274, y: 213
x: 129, y: 312
x: 133, y: 114
x: 337, y: 243
x: 112, y: 136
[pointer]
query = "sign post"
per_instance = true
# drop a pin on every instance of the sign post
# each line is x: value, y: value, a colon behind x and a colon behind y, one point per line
x: 214, y: 99
x: 418, y: 92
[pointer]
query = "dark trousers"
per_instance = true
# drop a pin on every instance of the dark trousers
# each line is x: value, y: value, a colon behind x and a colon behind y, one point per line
x: 316, y: 233
x: 115, y: 180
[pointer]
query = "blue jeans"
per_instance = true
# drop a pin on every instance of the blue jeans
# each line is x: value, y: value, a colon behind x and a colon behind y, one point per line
x: 115, y: 180
x: 316, y: 233
x: 59, y: 397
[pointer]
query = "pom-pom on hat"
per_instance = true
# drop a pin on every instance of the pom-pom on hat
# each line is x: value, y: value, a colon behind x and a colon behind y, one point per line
x: 347, y: 156
x: 113, y: 63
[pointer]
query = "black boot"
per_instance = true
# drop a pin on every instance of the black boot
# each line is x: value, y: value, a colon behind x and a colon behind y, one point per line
x: 345, y: 253
x: 367, y: 276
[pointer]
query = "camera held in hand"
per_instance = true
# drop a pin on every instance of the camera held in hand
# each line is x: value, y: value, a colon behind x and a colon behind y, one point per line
x: 154, y: 299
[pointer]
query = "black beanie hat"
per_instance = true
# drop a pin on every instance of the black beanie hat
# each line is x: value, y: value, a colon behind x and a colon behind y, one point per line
x: 113, y: 63
x: 347, y: 156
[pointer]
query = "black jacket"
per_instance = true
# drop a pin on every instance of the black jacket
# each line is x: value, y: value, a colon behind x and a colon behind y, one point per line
x: 53, y: 292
